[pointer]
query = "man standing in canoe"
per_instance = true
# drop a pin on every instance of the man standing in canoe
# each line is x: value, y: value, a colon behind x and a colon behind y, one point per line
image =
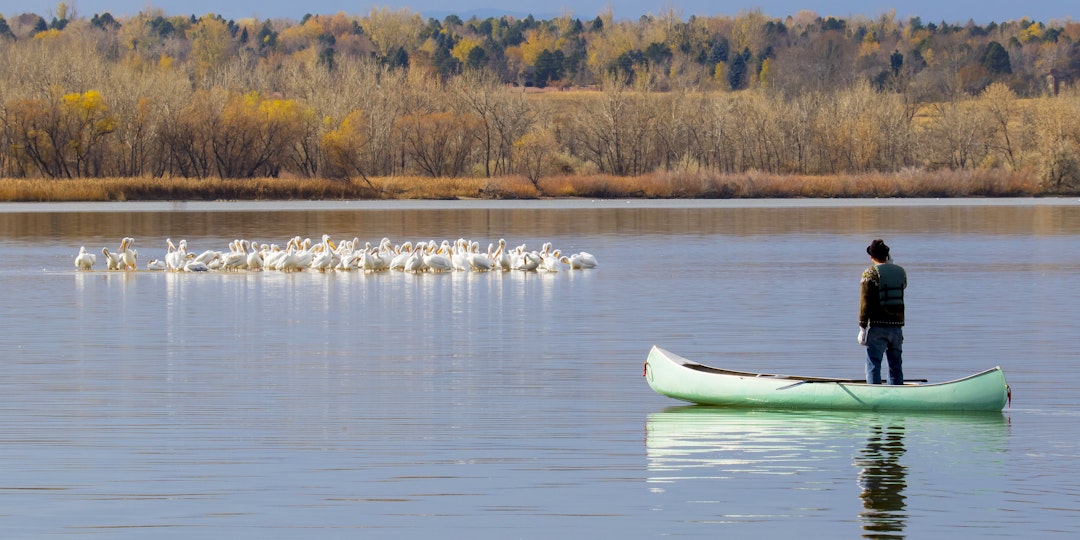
x: 881, y: 314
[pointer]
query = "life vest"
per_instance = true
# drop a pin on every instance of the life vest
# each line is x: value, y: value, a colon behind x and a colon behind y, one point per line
x: 891, y: 283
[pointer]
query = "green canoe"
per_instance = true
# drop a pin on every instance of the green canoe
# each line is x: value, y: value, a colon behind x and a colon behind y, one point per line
x: 676, y: 377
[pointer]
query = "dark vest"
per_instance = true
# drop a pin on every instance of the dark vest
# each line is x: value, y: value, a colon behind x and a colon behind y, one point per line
x: 891, y: 283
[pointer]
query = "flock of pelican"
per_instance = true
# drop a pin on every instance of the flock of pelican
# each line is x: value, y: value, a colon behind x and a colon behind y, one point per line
x: 303, y: 254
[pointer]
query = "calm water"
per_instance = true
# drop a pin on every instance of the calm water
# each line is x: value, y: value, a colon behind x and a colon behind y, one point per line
x: 265, y: 405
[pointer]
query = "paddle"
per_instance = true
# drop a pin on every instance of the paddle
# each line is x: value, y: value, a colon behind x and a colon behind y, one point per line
x: 838, y: 381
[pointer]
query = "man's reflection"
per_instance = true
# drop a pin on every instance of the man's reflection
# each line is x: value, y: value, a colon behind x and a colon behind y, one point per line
x: 883, y: 480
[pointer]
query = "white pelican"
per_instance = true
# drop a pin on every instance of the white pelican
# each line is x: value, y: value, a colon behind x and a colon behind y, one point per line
x: 367, y: 259
x: 415, y: 262
x: 206, y: 256
x: 193, y: 265
x: 129, y: 258
x: 322, y: 259
x: 290, y: 262
x: 478, y: 262
x: 111, y: 261
x: 502, y: 257
x: 84, y: 260
x: 272, y: 257
x: 323, y: 255
x: 235, y: 259
x: 382, y: 255
x: 436, y: 260
x: 579, y: 261
x: 397, y: 262
x: 459, y: 254
x: 177, y: 256
x: 551, y: 261
x: 304, y: 253
x: 254, y: 260
x: 156, y: 265
x: 530, y: 261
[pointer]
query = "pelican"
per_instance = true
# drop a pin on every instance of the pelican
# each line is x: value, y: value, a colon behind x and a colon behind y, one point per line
x: 323, y: 255
x: 530, y: 261
x: 156, y: 265
x: 579, y: 261
x: 436, y: 261
x: 111, y: 261
x: 290, y: 262
x: 382, y: 255
x: 84, y: 260
x: 254, y: 258
x: 415, y: 261
x: 304, y: 253
x: 502, y: 257
x: 128, y: 258
x: 194, y: 265
x: 550, y: 262
x: 322, y: 260
x: 478, y: 262
x: 177, y: 256
x: 236, y: 258
x: 367, y: 259
x: 206, y: 256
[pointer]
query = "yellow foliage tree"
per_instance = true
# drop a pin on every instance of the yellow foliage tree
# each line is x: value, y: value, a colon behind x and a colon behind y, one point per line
x: 765, y: 76
x: 46, y: 35
x: 463, y: 47
x: 256, y: 135
x: 210, y: 45
x: 533, y: 154
x: 537, y: 42
x: 1033, y: 32
x: 392, y: 29
x: 87, y: 121
x: 346, y: 146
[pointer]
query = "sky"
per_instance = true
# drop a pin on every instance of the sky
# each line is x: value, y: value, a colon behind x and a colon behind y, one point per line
x: 951, y: 11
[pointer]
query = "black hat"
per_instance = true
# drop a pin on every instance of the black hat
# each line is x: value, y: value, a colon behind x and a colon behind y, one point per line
x: 878, y: 250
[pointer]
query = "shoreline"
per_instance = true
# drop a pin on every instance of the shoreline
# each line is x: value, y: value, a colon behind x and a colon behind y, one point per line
x: 530, y: 204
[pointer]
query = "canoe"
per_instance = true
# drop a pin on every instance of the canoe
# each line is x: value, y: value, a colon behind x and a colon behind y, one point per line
x: 674, y: 376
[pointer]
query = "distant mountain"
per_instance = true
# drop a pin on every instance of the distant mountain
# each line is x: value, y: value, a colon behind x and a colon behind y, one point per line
x: 484, y: 13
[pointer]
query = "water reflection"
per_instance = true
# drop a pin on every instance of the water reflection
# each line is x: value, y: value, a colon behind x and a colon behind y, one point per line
x: 152, y: 222
x: 883, y: 479
x: 722, y: 456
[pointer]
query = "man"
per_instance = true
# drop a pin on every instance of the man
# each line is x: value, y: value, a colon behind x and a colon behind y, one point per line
x: 881, y: 314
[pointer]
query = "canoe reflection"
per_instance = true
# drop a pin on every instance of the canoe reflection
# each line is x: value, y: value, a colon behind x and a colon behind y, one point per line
x: 883, y: 479
x: 776, y: 466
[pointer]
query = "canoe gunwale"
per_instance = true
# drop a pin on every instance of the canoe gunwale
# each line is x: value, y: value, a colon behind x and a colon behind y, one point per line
x: 703, y: 368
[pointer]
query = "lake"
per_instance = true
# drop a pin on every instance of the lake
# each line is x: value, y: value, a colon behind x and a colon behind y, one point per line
x: 512, y: 405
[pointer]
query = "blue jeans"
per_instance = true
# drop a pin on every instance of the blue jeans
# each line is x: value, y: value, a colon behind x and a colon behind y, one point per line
x: 888, y: 341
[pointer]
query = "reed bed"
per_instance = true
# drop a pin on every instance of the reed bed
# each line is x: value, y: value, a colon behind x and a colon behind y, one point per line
x: 660, y: 185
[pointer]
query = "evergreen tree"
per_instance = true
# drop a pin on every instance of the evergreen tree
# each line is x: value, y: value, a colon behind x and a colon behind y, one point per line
x: 398, y: 58
x: 739, y: 70
x: 996, y: 59
x: 896, y: 62
x: 326, y: 58
x: 477, y: 58
x: 5, y: 30
x: 267, y: 37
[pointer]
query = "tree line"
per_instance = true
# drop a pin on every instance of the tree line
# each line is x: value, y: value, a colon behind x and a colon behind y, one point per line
x: 390, y: 94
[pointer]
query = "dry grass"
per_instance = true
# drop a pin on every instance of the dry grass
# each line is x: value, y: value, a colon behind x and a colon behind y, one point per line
x: 155, y: 189
x: 980, y: 183
x: 661, y: 185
